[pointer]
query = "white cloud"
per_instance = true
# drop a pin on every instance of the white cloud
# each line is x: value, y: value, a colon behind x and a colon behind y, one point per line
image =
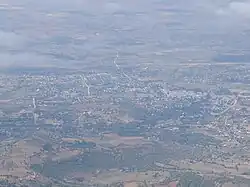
x: 241, y: 8
x: 10, y: 39
x: 236, y: 9
x: 25, y: 59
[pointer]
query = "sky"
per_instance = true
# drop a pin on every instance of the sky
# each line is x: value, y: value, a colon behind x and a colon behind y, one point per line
x: 36, y: 33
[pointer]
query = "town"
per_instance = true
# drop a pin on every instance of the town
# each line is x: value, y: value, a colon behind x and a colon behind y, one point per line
x: 129, y: 119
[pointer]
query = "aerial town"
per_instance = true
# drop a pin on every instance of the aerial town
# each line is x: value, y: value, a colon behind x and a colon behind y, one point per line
x: 85, y: 127
x: 124, y: 93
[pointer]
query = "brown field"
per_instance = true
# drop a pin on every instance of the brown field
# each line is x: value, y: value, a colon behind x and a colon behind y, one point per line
x: 16, y: 161
x: 123, y: 138
x: 5, y: 101
x: 116, y: 140
x: 229, y: 184
x: 131, y: 184
x: 215, y: 168
x: 72, y: 140
x: 131, y: 179
x: 111, y: 139
x: 65, y: 154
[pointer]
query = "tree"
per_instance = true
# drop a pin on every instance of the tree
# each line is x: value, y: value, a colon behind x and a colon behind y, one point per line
x: 47, y: 147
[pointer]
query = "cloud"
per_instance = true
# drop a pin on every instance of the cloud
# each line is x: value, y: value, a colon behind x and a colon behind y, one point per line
x: 10, y: 39
x: 25, y: 59
x: 241, y: 8
x: 236, y: 9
